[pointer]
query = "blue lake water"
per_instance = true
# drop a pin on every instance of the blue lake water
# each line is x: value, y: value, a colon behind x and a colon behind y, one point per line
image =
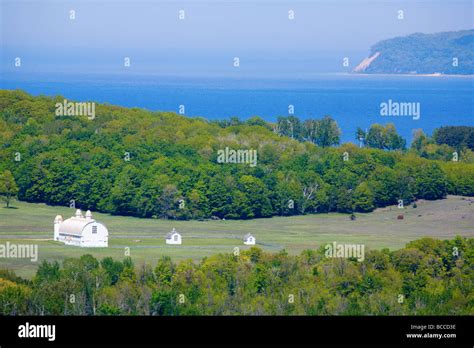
x: 352, y: 100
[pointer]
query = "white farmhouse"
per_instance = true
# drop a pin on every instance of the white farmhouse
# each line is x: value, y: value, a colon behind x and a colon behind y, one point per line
x: 81, y: 231
x: 173, y: 237
x: 249, y: 239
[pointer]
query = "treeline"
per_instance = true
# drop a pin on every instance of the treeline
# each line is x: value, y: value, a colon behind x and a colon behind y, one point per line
x: 427, y: 277
x: 450, y: 143
x: 163, y: 165
x: 325, y: 132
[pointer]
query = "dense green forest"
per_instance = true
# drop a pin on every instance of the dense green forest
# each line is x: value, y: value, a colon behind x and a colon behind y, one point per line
x: 160, y: 164
x: 427, y: 277
x: 447, y: 53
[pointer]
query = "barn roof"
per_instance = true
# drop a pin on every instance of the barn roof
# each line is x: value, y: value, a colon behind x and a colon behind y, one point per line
x: 247, y: 236
x: 74, y: 225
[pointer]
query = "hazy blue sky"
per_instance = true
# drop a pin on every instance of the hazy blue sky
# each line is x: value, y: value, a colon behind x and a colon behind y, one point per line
x: 259, y: 32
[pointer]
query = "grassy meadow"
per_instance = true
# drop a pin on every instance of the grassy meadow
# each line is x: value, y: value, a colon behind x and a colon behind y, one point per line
x: 33, y: 223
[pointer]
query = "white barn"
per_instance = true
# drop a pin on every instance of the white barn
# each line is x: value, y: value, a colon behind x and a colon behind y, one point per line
x: 249, y: 239
x: 81, y: 231
x: 173, y: 237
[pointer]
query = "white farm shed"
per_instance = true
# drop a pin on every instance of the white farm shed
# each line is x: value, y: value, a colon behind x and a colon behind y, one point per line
x: 173, y: 237
x: 81, y: 231
x: 249, y: 239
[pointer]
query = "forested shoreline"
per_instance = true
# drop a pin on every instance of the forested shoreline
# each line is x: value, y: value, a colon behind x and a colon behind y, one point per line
x: 163, y: 165
x: 420, y: 53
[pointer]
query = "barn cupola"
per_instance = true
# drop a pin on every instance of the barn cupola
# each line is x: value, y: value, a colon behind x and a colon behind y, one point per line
x: 78, y: 213
x: 88, y: 215
x: 58, y: 220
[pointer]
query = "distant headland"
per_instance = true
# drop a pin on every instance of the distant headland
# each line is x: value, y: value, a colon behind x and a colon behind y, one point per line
x: 446, y: 53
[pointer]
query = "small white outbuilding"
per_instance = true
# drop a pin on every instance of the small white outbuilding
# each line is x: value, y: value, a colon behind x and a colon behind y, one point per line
x: 249, y: 239
x: 173, y: 237
x: 81, y: 231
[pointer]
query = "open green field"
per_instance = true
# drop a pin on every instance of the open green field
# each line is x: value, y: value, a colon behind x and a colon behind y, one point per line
x: 30, y: 223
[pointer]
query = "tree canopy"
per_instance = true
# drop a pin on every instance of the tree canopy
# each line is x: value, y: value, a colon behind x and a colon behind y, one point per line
x: 427, y: 277
x: 164, y: 165
x: 8, y: 187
